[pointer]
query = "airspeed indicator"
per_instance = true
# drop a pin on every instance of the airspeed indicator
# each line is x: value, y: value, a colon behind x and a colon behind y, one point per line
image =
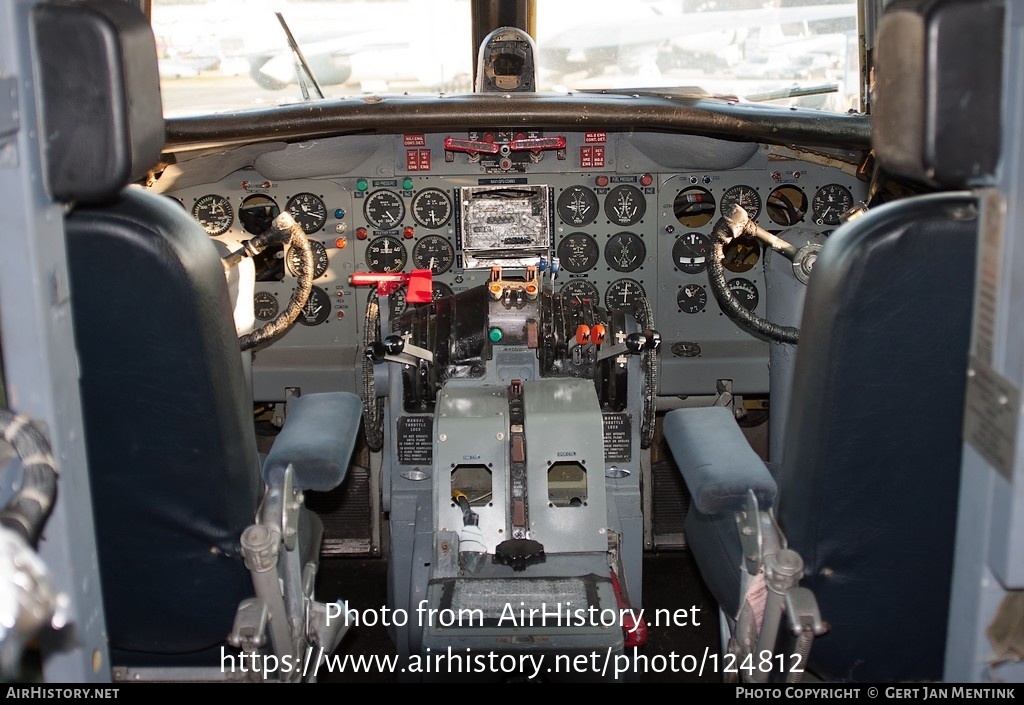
x: 431, y: 208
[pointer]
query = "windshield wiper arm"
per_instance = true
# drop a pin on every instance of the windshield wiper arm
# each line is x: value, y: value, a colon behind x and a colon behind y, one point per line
x: 793, y: 92
x: 302, y: 70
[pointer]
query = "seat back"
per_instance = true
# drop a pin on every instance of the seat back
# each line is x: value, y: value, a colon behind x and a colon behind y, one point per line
x: 171, y: 449
x: 868, y: 492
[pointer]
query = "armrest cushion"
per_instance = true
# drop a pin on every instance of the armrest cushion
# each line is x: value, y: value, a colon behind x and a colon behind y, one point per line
x: 317, y: 440
x: 717, y: 463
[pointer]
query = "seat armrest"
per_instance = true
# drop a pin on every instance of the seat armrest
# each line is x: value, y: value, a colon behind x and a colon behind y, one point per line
x: 317, y: 440
x: 717, y: 463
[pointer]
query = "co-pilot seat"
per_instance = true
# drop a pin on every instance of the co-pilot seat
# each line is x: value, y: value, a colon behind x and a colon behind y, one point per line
x: 173, y: 464
x: 866, y: 492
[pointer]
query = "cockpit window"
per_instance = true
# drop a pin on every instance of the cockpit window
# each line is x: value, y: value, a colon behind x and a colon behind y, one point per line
x: 804, y: 50
x: 218, y: 55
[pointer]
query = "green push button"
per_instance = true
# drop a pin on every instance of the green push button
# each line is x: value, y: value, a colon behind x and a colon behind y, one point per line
x: 407, y: 185
x: 361, y: 185
x: 495, y: 335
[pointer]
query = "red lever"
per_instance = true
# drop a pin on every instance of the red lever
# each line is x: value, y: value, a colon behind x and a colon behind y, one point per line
x: 536, y: 144
x: 418, y: 282
x: 634, y: 631
x: 458, y: 144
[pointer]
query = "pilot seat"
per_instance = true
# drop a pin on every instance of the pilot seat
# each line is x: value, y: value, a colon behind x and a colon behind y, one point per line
x: 203, y: 555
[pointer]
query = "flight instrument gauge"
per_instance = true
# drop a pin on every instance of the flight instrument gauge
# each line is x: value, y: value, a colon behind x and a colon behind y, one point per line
x: 438, y: 290
x: 578, y: 252
x: 319, y: 259
x: 433, y: 252
x: 577, y: 206
x: 745, y: 197
x: 745, y: 292
x: 397, y: 301
x: 309, y: 211
x: 625, y: 205
x: 257, y: 212
x: 622, y: 295
x: 214, y: 213
x: 386, y: 254
x: 384, y: 209
x: 625, y: 252
x: 690, y: 253
x: 264, y: 305
x: 741, y: 254
x: 317, y: 308
x: 576, y: 291
x: 829, y: 203
x: 432, y: 208
x: 787, y: 205
x: 692, y: 298
x: 694, y: 207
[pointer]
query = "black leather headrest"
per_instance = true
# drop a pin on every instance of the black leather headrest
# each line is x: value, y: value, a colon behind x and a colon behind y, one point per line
x: 938, y: 86
x: 100, y: 84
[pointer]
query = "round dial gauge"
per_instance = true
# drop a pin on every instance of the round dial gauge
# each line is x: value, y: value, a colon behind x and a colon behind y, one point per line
x: 317, y: 309
x: 384, y: 210
x: 625, y: 205
x: 741, y: 254
x: 214, y: 213
x: 692, y: 298
x: 745, y: 197
x: 577, y: 206
x: 439, y: 290
x: 694, y: 207
x: 257, y: 212
x: 264, y: 305
x: 432, y: 208
x: 319, y: 259
x: 787, y: 205
x: 829, y: 203
x: 578, y: 252
x: 309, y: 211
x: 745, y: 292
x: 690, y: 253
x: 386, y: 254
x: 576, y: 291
x: 433, y: 252
x: 625, y: 252
x: 399, y: 304
x: 622, y: 294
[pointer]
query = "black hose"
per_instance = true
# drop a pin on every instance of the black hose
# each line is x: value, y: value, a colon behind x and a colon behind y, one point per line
x: 279, y: 233
x: 28, y: 509
x: 373, y: 406
x: 283, y: 229
x: 649, y: 363
x: 728, y: 227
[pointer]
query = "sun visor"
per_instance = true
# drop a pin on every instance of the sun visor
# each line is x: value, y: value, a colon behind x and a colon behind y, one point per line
x: 100, y: 86
x: 938, y: 90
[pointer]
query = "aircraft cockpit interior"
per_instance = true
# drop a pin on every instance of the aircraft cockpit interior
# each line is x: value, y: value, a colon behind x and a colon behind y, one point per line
x: 324, y: 363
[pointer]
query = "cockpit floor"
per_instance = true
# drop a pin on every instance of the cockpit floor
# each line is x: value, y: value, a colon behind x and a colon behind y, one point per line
x: 671, y: 582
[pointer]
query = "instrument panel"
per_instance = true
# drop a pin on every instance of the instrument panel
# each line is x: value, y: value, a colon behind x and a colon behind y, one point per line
x: 620, y: 224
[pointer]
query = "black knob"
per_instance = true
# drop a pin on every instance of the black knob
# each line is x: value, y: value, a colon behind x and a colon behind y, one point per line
x: 653, y: 339
x: 394, y: 345
x: 635, y: 342
x: 519, y: 553
x: 376, y: 351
